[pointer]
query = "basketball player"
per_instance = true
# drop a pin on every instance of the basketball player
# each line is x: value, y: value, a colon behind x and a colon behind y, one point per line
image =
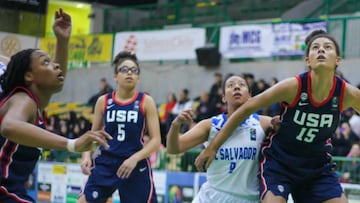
x: 296, y: 160
x: 125, y: 165
x: 28, y: 84
x: 231, y: 177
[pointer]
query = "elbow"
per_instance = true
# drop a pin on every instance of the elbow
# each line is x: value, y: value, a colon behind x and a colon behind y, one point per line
x: 7, y: 128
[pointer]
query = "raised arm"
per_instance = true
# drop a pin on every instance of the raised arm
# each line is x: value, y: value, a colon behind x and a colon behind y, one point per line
x: 177, y: 143
x: 282, y: 91
x: 62, y: 29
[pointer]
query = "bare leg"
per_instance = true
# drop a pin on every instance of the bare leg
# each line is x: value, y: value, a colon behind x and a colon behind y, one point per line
x: 341, y: 199
x: 271, y: 198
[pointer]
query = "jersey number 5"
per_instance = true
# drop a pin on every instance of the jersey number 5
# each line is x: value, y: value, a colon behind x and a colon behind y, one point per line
x: 121, y: 132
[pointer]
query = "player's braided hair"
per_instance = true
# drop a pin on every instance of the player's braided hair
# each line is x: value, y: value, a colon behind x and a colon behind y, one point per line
x: 122, y: 56
x: 19, y: 64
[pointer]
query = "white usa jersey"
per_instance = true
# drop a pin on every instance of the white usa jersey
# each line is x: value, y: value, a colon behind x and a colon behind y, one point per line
x: 236, y: 164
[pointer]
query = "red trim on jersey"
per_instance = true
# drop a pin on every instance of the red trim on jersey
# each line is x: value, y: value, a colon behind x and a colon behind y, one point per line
x: 142, y: 107
x: 312, y: 101
x: 342, y: 91
x: 124, y: 103
x: 4, y: 152
x: 296, y: 99
x: 261, y: 168
x: 13, y: 195
x: 106, y: 102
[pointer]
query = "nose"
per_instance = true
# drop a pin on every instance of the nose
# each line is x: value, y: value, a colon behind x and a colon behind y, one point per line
x: 321, y: 50
x: 56, y: 65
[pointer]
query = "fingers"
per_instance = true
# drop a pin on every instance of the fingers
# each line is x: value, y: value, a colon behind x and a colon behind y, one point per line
x: 199, y: 163
x: 100, y: 138
x: 123, y: 172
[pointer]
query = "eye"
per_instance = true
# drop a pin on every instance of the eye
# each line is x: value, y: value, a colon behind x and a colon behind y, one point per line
x: 46, y: 62
x: 328, y: 47
x: 315, y: 47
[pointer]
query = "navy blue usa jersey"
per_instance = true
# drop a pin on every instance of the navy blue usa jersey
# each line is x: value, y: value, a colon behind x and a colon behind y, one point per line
x: 17, y: 162
x: 125, y: 122
x: 308, y: 125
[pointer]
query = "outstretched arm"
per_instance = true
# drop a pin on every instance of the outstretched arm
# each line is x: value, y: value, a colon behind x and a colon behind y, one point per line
x: 282, y: 91
x: 17, y: 126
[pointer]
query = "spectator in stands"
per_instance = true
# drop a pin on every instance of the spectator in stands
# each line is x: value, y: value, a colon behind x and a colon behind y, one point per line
x: 205, y: 109
x: 105, y: 87
x: 343, y: 139
x: 31, y: 78
x: 351, y: 169
x: 274, y: 109
x: 250, y: 79
x: 183, y: 103
x: 215, y: 94
x: 167, y: 117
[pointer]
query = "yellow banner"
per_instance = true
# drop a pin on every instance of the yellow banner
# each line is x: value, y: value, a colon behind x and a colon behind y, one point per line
x: 93, y: 48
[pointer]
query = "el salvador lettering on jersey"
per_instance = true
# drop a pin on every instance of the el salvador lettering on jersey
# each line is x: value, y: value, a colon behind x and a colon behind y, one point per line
x: 312, y: 123
x: 236, y: 157
x: 125, y: 122
x: 17, y: 156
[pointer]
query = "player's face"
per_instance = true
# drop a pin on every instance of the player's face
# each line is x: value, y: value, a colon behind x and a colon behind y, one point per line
x: 322, y: 55
x: 236, y: 91
x: 127, y: 74
x: 44, y: 73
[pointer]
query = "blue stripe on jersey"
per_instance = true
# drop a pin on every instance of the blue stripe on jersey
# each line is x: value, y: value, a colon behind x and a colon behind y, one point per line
x: 125, y: 122
x: 308, y: 125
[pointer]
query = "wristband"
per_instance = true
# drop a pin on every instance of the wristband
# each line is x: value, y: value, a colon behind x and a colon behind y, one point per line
x: 70, y: 145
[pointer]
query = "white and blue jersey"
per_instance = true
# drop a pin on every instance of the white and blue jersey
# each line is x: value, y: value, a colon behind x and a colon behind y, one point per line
x: 299, y: 153
x: 237, y: 156
x: 17, y: 162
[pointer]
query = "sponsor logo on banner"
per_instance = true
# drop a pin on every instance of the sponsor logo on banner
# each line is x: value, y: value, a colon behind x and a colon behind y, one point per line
x: 12, y: 43
x: 179, y: 44
x: 246, y: 41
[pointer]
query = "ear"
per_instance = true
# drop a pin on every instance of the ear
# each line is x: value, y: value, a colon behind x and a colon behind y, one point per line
x: 28, y: 76
x: 338, y: 61
x: 307, y: 61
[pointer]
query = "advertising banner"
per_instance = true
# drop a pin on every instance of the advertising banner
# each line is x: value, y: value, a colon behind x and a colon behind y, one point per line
x: 161, y: 45
x: 289, y: 38
x: 93, y: 48
x: 246, y: 41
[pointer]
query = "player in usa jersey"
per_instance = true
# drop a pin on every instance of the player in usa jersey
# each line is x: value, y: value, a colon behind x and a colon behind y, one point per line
x: 29, y: 81
x: 124, y: 113
x: 297, y: 160
x: 232, y: 176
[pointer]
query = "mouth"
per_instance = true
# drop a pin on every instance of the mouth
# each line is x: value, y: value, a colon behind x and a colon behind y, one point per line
x: 61, y: 77
x: 237, y: 94
x: 321, y: 58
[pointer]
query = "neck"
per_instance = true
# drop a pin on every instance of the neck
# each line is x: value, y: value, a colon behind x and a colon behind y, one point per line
x: 321, y: 84
x: 122, y: 95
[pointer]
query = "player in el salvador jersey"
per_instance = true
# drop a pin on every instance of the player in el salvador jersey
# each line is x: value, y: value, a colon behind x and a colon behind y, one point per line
x: 232, y: 176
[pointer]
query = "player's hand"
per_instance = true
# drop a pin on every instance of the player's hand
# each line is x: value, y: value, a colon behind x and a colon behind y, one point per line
x: 85, y: 166
x: 203, y: 161
x: 92, y: 139
x: 127, y: 167
x: 185, y: 116
x: 276, y: 124
x: 62, y: 25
